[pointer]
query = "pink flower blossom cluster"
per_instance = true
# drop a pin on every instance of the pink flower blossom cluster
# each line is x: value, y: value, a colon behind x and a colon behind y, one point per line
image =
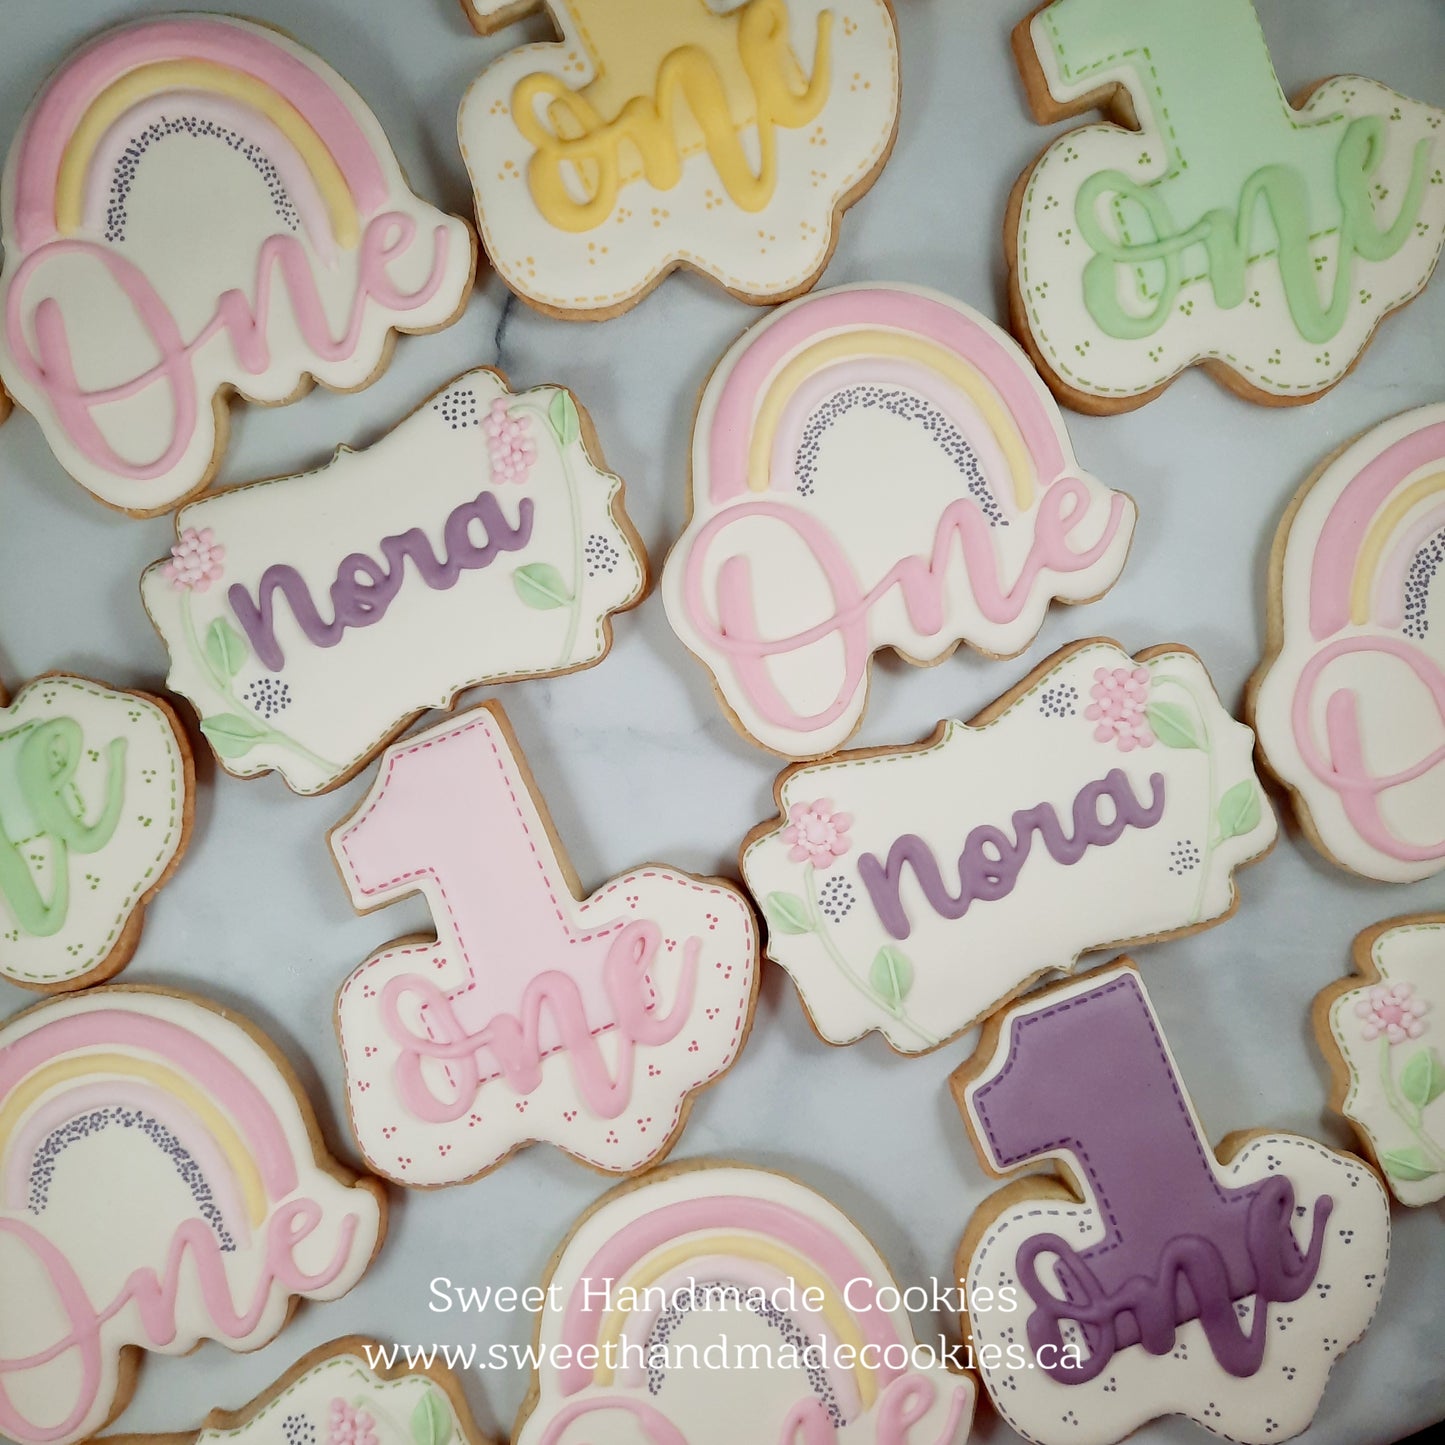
x: 1121, y: 695
x: 1393, y: 1010
x: 195, y: 561
x: 818, y: 835
x: 349, y: 1426
x: 509, y: 443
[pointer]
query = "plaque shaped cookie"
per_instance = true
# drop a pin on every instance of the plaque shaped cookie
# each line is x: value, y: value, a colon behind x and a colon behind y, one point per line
x: 875, y: 466
x: 1380, y: 1033
x: 655, y: 134
x: 1155, y: 1276
x: 196, y: 207
x: 911, y: 890
x: 343, y: 1393
x: 1208, y: 221
x: 310, y: 618
x: 96, y: 797
x: 1349, y: 703
x: 535, y: 1014
x: 793, y: 1311
x: 162, y: 1182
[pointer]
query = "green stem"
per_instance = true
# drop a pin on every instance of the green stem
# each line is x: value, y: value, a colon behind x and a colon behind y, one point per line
x: 1211, y: 838
x: 820, y: 928
x: 1411, y: 1117
x: 236, y: 707
x: 574, y: 508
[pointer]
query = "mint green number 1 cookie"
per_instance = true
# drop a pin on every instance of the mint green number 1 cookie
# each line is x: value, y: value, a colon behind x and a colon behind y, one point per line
x: 1230, y: 229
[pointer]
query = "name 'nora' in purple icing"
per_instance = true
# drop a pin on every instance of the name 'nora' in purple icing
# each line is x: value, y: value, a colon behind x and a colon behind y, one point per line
x: 989, y: 866
x: 364, y: 587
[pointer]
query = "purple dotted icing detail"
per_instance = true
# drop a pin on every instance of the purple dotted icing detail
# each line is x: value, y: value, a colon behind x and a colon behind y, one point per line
x: 268, y: 696
x: 84, y: 1126
x: 909, y: 407
x: 1424, y: 569
x: 710, y: 1296
x: 166, y: 127
x: 458, y: 408
x: 601, y: 555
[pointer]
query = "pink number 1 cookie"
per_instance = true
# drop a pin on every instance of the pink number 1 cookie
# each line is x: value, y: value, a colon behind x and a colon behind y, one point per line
x: 197, y: 207
x: 534, y: 1014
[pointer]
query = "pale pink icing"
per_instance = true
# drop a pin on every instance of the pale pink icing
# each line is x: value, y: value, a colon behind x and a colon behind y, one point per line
x: 65, y: 100
x: 220, y: 111
x: 55, y: 1112
x: 1344, y: 768
x: 887, y: 371
x: 1389, y: 598
x: 794, y: 1230
x: 732, y: 422
x: 1344, y: 531
x: 121, y: 1028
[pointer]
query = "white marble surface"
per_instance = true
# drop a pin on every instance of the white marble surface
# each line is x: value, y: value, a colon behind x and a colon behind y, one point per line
x: 635, y: 757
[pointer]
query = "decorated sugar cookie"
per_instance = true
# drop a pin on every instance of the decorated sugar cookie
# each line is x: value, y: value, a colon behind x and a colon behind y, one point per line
x: 535, y: 1014
x: 1380, y: 1031
x: 796, y: 1317
x: 504, y: 555
x: 1349, y: 703
x: 1207, y: 221
x: 96, y: 794
x: 727, y: 138
x: 1155, y: 1276
x: 343, y: 1393
x: 196, y: 207
x: 875, y: 466
x: 912, y: 889
x: 162, y: 1182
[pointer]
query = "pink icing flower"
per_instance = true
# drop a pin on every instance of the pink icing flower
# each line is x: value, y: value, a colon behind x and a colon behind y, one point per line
x: 819, y: 835
x: 348, y: 1426
x: 1393, y: 1010
x: 1121, y: 695
x: 195, y: 561
x: 509, y: 443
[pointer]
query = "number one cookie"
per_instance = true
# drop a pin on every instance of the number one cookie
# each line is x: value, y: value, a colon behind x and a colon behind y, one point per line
x: 1153, y: 1276
x: 1225, y: 228
x: 533, y: 1016
x: 662, y: 133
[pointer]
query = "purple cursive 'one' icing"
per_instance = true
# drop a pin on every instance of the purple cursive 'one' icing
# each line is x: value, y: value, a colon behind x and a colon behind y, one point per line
x: 990, y: 863
x: 364, y: 588
x: 1089, y: 1074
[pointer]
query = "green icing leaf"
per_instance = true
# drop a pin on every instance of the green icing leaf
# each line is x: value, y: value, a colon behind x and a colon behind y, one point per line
x: 540, y: 585
x: 226, y: 649
x: 1239, y: 810
x: 1173, y: 725
x: 232, y: 734
x: 786, y: 913
x: 1409, y: 1165
x: 891, y: 975
x: 431, y: 1421
x: 563, y: 419
x: 1423, y: 1080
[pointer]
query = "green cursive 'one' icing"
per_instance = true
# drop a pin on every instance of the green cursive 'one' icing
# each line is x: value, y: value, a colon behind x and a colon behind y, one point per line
x: 1245, y: 179
x: 37, y: 768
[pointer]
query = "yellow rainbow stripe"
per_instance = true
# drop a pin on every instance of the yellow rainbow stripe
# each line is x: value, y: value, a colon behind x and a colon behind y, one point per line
x: 165, y: 76
x: 85, y: 1066
x: 741, y: 1246
x: 1377, y: 539
x: 876, y: 342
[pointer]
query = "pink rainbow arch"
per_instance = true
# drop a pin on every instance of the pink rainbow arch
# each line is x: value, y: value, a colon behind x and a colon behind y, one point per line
x: 1342, y: 537
x: 1001, y: 366
x: 792, y: 1231
x: 200, y: 1062
x: 240, y: 48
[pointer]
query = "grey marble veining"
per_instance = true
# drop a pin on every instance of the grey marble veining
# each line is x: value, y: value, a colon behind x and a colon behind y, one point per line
x: 635, y: 757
